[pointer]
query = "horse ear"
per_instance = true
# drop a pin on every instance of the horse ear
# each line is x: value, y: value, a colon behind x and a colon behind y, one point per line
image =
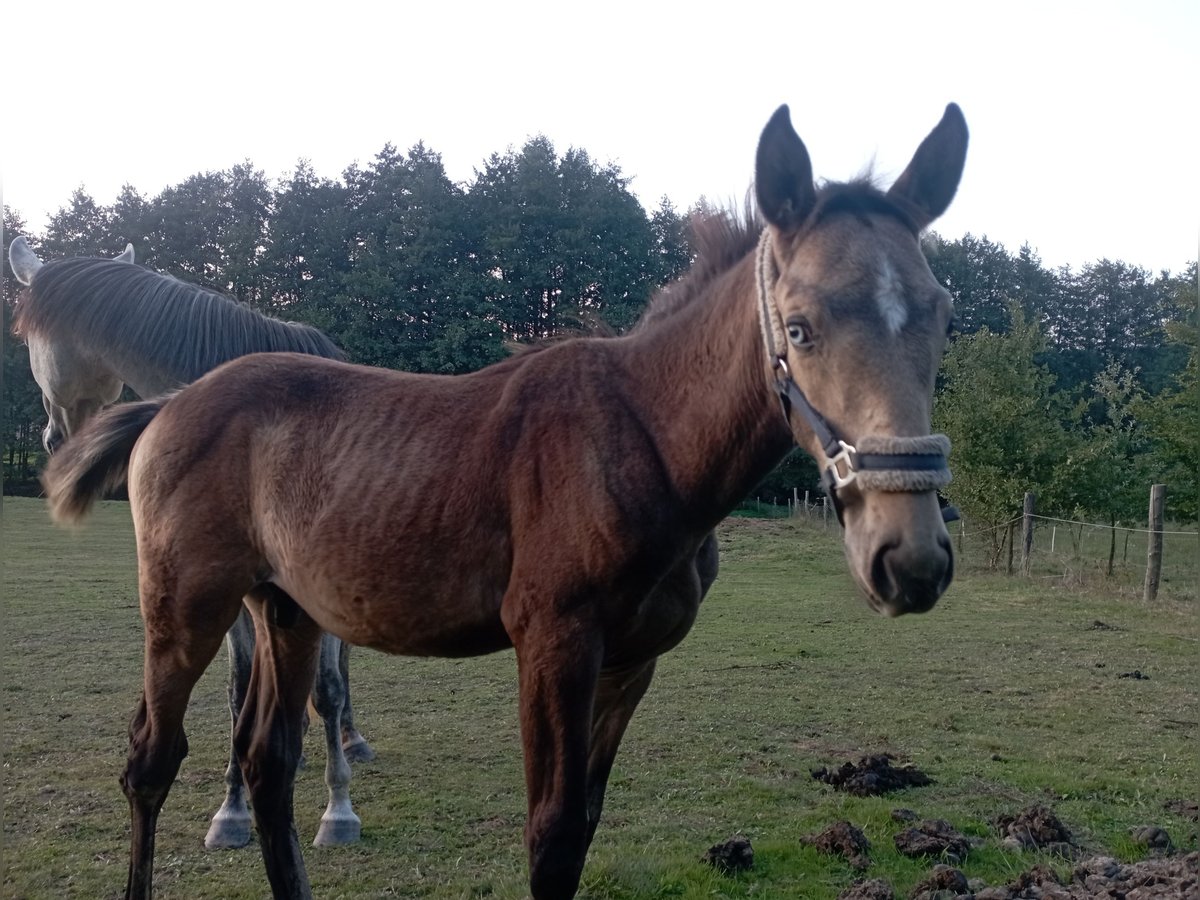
x: 127, y: 256
x: 783, y: 180
x: 24, y: 261
x: 929, y: 182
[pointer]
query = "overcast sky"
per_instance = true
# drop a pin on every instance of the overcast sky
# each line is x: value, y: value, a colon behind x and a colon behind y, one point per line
x: 1083, y: 117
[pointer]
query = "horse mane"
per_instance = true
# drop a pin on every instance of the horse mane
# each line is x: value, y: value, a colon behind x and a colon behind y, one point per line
x: 722, y: 237
x: 129, y: 310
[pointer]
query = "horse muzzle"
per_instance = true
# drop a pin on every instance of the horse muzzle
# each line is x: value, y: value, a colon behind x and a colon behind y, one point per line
x: 899, y: 551
x: 907, y: 579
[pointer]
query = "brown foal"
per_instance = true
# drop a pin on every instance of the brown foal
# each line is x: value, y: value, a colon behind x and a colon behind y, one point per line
x: 560, y: 502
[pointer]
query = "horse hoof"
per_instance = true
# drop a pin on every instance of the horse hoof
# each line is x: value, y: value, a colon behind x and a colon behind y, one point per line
x: 358, y: 751
x: 228, y: 832
x: 338, y: 831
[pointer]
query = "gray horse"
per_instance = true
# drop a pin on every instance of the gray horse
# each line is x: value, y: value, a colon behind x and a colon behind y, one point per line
x: 94, y: 325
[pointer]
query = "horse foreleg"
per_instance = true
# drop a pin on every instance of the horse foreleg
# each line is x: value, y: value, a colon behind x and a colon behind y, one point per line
x: 558, y: 663
x: 269, y: 731
x: 339, y: 824
x: 231, y: 826
x: 353, y: 743
x: 617, y: 696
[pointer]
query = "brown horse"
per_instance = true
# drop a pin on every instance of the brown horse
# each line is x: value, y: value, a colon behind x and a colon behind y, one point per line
x: 555, y: 502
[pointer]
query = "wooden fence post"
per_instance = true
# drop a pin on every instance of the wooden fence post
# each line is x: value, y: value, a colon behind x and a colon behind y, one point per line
x: 1012, y: 539
x: 1154, y: 544
x: 1027, y: 533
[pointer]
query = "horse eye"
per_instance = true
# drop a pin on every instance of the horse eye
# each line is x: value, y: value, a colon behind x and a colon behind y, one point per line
x: 800, y: 333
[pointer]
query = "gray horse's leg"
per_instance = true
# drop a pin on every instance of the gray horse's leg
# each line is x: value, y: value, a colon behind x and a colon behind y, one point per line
x: 353, y: 743
x: 339, y: 824
x: 231, y: 826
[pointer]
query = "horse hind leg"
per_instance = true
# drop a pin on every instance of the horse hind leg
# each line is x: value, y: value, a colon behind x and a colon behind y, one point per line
x: 269, y: 731
x: 339, y: 824
x: 353, y: 743
x: 178, y: 650
x: 232, y: 825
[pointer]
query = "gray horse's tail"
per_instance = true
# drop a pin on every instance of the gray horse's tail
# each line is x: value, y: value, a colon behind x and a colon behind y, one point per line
x: 96, y: 459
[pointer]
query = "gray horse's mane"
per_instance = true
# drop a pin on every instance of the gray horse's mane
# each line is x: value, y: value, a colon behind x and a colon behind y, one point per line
x: 124, y: 311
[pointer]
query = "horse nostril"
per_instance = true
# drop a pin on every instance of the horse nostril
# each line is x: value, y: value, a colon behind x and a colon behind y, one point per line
x: 909, y: 580
x: 881, y: 574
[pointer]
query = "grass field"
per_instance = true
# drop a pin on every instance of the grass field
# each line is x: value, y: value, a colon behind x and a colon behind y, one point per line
x: 1007, y: 694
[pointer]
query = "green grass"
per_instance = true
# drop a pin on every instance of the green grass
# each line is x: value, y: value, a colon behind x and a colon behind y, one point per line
x: 1006, y: 694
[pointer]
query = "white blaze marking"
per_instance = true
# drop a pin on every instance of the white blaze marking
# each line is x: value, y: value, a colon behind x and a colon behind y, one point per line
x: 889, y: 294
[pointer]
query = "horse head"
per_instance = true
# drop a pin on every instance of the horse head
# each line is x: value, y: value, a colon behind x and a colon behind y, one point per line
x: 73, y: 387
x: 855, y: 325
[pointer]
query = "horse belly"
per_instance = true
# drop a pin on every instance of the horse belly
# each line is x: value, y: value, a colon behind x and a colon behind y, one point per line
x: 418, y: 615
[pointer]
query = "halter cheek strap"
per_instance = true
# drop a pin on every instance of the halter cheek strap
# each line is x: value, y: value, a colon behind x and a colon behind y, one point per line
x: 878, y: 462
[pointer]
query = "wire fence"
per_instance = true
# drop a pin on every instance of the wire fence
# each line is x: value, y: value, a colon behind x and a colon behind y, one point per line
x: 1069, y: 552
x: 1075, y: 552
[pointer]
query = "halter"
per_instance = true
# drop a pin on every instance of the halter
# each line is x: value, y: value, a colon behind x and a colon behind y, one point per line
x: 878, y: 462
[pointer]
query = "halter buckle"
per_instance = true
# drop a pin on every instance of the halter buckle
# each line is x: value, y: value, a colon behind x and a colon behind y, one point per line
x: 845, y: 457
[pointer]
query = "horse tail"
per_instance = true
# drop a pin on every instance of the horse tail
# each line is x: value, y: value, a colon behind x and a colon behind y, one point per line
x: 96, y: 459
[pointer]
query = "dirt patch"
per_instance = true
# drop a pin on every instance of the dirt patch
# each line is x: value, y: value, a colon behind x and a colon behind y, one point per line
x: 872, y: 775
x: 1103, y: 878
x: 871, y: 889
x: 1187, y: 809
x: 1098, y: 878
x: 933, y: 837
x: 842, y: 839
x: 1035, y: 828
x: 940, y: 878
x: 733, y: 855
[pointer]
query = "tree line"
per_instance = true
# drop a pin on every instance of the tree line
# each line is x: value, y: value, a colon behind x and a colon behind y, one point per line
x: 1080, y: 386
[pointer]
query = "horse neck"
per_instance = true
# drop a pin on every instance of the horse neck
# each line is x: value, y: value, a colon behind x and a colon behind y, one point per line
x: 704, y: 382
x: 144, y: 377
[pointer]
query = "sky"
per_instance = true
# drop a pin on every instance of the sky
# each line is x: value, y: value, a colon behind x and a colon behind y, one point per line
x: 1083, y: 116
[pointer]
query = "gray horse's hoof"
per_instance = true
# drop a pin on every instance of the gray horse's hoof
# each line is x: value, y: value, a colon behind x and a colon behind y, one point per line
x: 358, y: 751
x: 338, y: 831
x: 228, y: 831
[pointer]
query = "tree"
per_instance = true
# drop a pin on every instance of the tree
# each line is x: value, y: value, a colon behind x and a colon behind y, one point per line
x: 980, y: 276
x: 307, y: 257
x: 81, y: 228
x: 1106, y: 472
x: 1173, y: 416
x: 672, y: 250
x: 562, y: 243
x: 411, y: 297
x: 1006, y: 422
x: 130, y: 221
x: 212, y: 229
x: 1108, y: 311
